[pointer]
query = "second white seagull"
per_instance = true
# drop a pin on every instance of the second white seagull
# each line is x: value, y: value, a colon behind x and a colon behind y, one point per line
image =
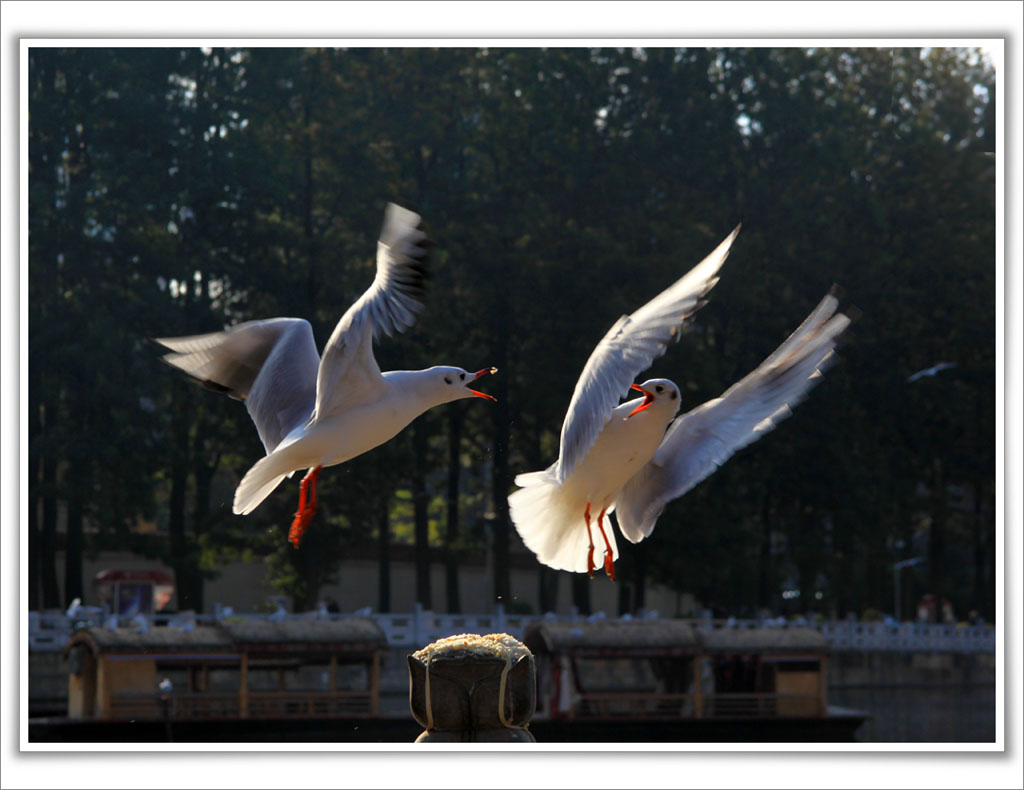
x: 312, y: 412
x: 625, y: 458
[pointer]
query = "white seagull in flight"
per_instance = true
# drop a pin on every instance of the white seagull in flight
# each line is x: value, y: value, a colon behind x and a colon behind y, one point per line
x: 620, y: 458
x: 312, y: 412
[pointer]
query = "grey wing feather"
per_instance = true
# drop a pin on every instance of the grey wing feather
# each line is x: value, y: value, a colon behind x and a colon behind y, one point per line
x: 629, y: 347
x: 706, y: 437
x: 271, y: 365
x: 389, y: 305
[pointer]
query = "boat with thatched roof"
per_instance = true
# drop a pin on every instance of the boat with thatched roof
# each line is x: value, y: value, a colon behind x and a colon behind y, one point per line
x: 639, y: 679
x: 236, y: 668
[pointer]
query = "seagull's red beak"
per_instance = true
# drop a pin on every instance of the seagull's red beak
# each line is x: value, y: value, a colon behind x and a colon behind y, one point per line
x: 477, y: 375
x: 648, y: 400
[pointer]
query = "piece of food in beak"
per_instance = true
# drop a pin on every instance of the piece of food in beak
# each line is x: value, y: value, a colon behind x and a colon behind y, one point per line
x: 477, y: 375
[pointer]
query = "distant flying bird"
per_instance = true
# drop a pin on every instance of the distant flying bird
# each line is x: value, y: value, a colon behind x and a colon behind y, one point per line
x: 312, y: 412
x: 930, y: 371
x: 620, y: 458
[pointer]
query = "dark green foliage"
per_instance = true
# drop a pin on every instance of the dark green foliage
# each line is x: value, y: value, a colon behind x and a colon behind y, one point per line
x: 175, y: 191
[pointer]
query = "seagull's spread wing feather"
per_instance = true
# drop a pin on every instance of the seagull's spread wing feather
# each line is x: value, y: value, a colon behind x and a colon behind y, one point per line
x: 703, y: 439
x: 349, y: 375
x: 271, y: 365
x: 628, y: 348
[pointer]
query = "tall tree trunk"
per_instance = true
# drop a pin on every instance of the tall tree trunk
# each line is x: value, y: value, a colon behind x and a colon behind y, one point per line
x: 73, y: 587
x: 640, y: 577
x: 937, y: 539
x: 451, y: 564
x: 421, y: 527
x: 625, y: 598
x: 48, y: 537
x: 176, y: 512
x: 34, y: 538
x: 547, y: 584
x: 45, y: 246
x: 765, y: 596
x: 501, y: 481
x: 979, y: 580
x: 34, y: 555
x: 581, y: 592
x: 201, y: 516
x: 384, y: 556
x: 308, y: 192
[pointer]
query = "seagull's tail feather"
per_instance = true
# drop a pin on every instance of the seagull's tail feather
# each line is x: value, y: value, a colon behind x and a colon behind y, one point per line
x: 259, y: 482
x: 550, y: 522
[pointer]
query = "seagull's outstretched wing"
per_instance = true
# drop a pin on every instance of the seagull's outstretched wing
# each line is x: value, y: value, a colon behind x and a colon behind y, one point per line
x: 271, y: 365
x: 349, y: 375
x: 704, y: 438
x: 628, y: 348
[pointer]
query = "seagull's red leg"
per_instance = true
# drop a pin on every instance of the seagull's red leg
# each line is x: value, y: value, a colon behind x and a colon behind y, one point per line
x: 609, y: 561
x: 590, y: 555
x: 306, y: 508
x: 313, y: 477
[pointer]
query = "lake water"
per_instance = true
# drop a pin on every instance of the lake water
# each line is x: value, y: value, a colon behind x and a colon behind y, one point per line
x: 932, y: 714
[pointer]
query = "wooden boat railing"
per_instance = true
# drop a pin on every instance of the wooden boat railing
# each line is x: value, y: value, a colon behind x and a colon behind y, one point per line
x: 269, y: 705
x: 674, y: 706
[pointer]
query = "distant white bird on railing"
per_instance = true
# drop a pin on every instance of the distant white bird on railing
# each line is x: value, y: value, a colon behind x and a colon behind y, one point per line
x: 366, y: 611
x: 278, y: 615
x: 74, y: 609
x: 624, y: 457
x: 111, y: 623
x: 141, y: 623
x: 313, y: 412
x: 930, y: 371
x: 184, y: 622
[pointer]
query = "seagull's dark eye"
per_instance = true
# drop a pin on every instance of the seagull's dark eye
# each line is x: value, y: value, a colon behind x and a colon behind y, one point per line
x: 462, y: 377
x: 447, y: 380
x: 659, y: 388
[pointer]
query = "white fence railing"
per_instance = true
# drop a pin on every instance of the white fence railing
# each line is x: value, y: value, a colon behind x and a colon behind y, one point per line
x: 49, y: 630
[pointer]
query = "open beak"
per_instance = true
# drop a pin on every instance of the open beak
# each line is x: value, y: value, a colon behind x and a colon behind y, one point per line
x: 477, y: 375
x: 648, y: 399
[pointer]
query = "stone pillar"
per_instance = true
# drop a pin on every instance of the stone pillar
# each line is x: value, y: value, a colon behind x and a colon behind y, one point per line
x: 471, y: 688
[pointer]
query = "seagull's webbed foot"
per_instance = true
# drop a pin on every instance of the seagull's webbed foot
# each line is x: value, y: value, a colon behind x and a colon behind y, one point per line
x: 307, y: 509
x: 609, y: 565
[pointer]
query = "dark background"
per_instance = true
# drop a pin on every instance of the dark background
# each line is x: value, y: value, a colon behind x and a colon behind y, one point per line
x: 175, y: 191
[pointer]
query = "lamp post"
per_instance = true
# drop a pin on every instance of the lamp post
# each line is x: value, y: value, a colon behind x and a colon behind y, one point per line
x: 166, y: 687
x: 896, y: 568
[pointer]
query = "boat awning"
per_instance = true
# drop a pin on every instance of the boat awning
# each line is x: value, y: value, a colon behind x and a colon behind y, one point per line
x: 763, y: 641
x: 613, y: 637
x: 155, y: 641
x: 351, y: 637
x: 356, y: 636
